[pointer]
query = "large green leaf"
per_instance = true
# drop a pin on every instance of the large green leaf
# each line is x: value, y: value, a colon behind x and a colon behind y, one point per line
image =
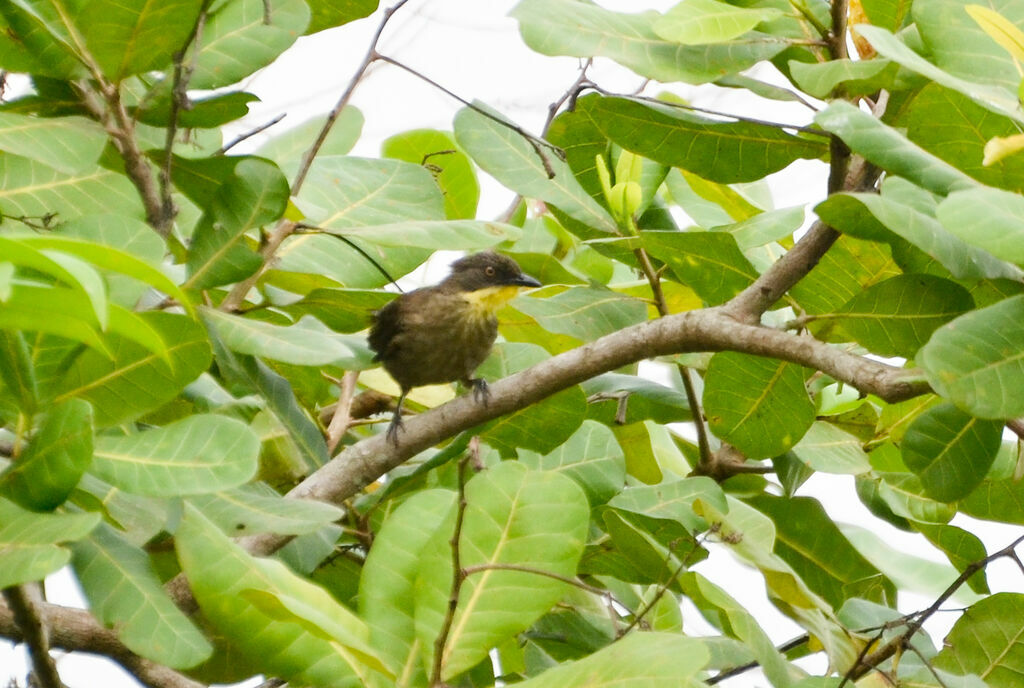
x: 693, y: 22
x: 759, y: 405
x: 591, y: 457
x: 997, y: 230
x: 32, y: 41
x: 816, y: 549
x: 328, y: 13
x: 710, y: 263
x: 241, y: 36
x: 50, y: 468
x: 537, y: 520
x: 288, y: 148
x: 996, y: 500
x: 891, y: 150
x: 255, y: 195
x: 962, y: 547
x: 576, y: 133
x: 68, y: 144
x: 17, y: 372
x: 307, y: 343
x: 950, y: 451
x: 986, y: 640
x: 28, y: 541
x: 452, y: 169
x: 897, y: 316
x: 568, y: 27
x: 201, y: 453
x: 387, y: 584
x: 640, y: 660
x: 827, y: 448
x: 131, y: 38
x: 977, y: 360
x: 436, y: 234
x: 585, y: 313
x: 135, y: 380
x: 277, y: 622
x: 512, y: 160
x: 725, y: 152
x: 33, y: 189
x: 673, y: 500
x: 257, y: 508
x: 125, y: 593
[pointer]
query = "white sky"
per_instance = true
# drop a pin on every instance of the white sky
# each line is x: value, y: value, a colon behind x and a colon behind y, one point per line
x: 474, y: 49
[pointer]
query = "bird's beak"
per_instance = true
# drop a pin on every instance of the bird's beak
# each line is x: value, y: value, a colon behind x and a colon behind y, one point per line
x: 524, y: 281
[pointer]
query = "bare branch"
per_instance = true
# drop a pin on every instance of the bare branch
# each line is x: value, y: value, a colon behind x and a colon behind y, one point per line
x: 252, y: 132
x: 77, y: 630
x: 342, y: 418
x: 34, y: 634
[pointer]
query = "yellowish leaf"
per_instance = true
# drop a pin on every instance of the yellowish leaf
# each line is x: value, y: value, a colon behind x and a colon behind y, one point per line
x: 1001, y: 29
x: 1002, y: 146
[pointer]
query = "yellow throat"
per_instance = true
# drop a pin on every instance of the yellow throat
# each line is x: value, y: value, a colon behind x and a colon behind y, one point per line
x: 489, y: 300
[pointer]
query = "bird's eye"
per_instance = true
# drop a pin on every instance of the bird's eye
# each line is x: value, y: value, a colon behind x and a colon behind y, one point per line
x: 489, y: 271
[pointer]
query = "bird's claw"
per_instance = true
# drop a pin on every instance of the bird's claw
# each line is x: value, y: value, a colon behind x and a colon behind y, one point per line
x: 481, y: 392
x: 394, y: 426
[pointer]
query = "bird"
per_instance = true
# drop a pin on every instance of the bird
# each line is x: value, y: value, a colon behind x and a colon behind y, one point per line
x: 441, y: 333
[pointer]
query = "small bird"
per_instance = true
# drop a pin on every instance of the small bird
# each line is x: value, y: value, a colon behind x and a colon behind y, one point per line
x: 442, y: 333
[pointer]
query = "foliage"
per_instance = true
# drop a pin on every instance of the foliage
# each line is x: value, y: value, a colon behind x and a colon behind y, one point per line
x: 177, y: 323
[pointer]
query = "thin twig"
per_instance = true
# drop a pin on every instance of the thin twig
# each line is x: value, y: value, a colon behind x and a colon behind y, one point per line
x: 179, y: 101
x: 252, y: 132
x: 458, y: 575
x: 868, y: 662
x: 34, y: 634
x: 342, y: 418
x: 743, y: 668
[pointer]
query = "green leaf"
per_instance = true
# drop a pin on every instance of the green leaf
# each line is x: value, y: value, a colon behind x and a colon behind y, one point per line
x: 997, y: 230
x: 591, y: 457
x: 288, y: 148
x: 387, y: 584
x: 891, y: 150
x: 28, y: 541
x: 996, y: 99
x: 673, y: 500
x: 201, y: 453
x: 328, y: 13
x: 512, y: 160
x: 904, y: 494
x: 585, y: 313
x: 710, y: 263
x: 452, y: 169
x: 135, y: 380
x: 29, y: 45
x: 255, y: 195
x: 820, y: 79
x: 17, y: 373
x: 999, y: 28
x: 242, y: 36
x: 639, y: 660
x: 467, y: 235
x: 919, y: 228
x: 724, y: 152
x: 950, y: 451
x: 205, y: 113
x: 33, y: 189
x: 817, y: 550
x: 828, y: 449
x: 692, y: 22
x: 764, y: 228
x: 986, y: 640
x: 132, y: 38
x: 576, y: 133
x: 641, y: 399
x: 961, y: 547
x: 531, y: 519
x: 70, y: 145
x: 976, y: 360
x: 257, y: 508
x: 890, y: 14
x: 541, y: 427
x: 125, y: 593
x: 567, y: 27
x: 56, y: 457
x: 759, y: 405
x: 342, y: 310
x: 307, y: 343
x: 897, y: 316
x: 996, y: 500
x: 248, y: 601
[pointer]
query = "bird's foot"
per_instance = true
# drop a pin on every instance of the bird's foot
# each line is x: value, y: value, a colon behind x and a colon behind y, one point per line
x: 481, y: 392
x: 394, y: 426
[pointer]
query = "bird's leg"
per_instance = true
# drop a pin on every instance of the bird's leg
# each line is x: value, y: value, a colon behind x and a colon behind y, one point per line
x: 481, y: 393
x: 396, y: 421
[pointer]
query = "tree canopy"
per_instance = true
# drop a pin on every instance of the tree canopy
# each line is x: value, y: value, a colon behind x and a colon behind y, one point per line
x: 191, y: 419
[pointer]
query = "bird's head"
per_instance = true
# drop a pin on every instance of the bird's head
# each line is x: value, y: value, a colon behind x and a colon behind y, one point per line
x: 488, y: 279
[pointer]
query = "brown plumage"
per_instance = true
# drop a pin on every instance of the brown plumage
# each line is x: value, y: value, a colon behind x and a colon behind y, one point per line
x: 442, y: 333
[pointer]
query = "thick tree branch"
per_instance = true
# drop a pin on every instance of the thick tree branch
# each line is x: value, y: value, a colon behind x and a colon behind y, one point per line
x: 77, y: 630
x: 710, y: 329
x: 25, y: 612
